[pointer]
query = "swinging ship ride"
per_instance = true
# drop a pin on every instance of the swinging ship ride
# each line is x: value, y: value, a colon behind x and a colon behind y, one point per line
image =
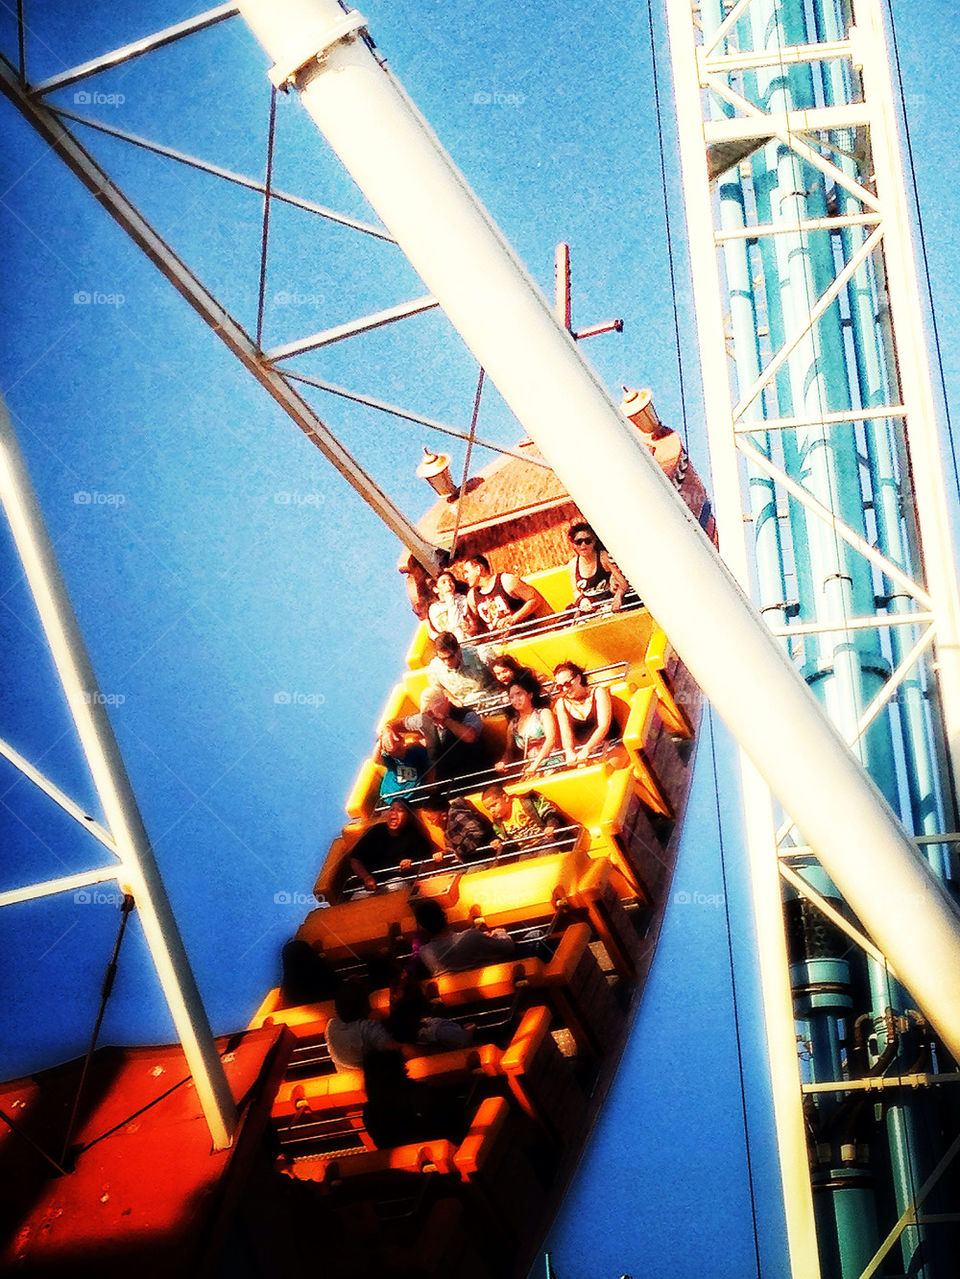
x: 547, y: 1028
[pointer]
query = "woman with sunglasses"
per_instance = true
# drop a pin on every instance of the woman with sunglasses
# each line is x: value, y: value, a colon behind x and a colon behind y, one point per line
x: 596, y: 579
x: 584, y: 713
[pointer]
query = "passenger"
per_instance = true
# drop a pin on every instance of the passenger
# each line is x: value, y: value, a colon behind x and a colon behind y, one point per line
x: 532, y: 731
x: 452, y: 735
x: 307, y: 976
x: 466, y: 834
x: 460, y: 672
x: 352, y: 1034
x: 448, y: 952
x: 502, y: 600
x: 522, y: 823
x: 505, y: 670
x: 387, y: 849
x: 584, y: 713
x: 400, y: 1111
x: 451, y: 611
x: 407, y: 765
x: 596, y: 579
x: 420, y: 586
x: 411, y: 1020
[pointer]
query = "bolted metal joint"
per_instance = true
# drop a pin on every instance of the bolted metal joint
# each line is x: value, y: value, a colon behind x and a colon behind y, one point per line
x: 308, y: 55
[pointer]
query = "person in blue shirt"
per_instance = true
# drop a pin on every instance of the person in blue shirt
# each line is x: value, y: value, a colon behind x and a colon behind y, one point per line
x: 407, y: 765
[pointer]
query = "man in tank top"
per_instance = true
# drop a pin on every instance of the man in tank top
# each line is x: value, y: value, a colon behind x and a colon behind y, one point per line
x: 502, y: 600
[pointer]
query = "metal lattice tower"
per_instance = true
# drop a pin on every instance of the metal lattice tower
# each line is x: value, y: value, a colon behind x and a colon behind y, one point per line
x: 833, y: 514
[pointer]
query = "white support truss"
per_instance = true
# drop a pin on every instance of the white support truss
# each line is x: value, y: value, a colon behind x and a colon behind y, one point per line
x: 719, y: 127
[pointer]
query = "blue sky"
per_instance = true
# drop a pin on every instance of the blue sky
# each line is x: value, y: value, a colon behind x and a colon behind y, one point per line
x: 221, y: 562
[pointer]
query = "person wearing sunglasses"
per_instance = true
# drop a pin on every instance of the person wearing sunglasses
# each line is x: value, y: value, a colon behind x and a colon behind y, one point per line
x: 584, y: 713
x: 596, y: 579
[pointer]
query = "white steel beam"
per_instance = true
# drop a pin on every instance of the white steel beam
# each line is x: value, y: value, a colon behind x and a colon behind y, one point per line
x: 137, y: 48
x: 464, y: 262
x: 797, y: 882
x: 64, y: 884
x: 213, y: 313
x: 936, y: 533
x: 57, y: 795
x: 337, y: 334
x: 137, y: 872
x: 773, y: 968
x: 816, y: 507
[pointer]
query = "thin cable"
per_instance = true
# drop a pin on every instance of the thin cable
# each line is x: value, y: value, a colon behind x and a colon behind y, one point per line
x: 466, y: 463
x: 21, y: 45
x: 666, y: 219
x: 923, y: 250
x: 15, y: 1128
x: 125, y: 908
x: 733, y: 990
x: 265, y: 234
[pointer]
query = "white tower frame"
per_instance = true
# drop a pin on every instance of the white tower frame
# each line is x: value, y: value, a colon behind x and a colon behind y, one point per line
x: 708, y: 147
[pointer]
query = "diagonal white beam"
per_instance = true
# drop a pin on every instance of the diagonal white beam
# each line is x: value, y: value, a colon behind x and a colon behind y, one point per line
x: 65, y: 884
x: 463, y: 260
x: 136, y: 48
x: 57, y: 795
x: 816, y: 507
x: 823, y: 303
x: 797, y: 882
x: 138, y: 872
x: 786, y: 127
x: 223, y: 324
x: 891, y: 685
x: 337, y: 334
x: 729, y: 22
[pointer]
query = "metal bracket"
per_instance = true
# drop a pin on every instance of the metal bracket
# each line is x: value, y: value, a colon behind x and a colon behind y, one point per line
x: 284, y: 74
